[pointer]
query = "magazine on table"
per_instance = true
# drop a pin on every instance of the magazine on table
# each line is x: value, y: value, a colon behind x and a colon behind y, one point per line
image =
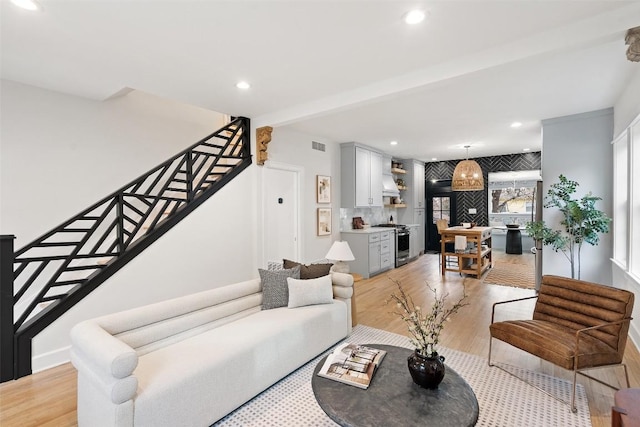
x: 352, y: 364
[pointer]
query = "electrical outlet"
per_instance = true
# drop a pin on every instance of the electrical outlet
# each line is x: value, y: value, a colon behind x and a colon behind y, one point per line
x: 473, y: 211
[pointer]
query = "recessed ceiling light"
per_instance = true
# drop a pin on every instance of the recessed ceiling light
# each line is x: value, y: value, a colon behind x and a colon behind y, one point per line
x: 26, y: 4
x: 433, y: 159
x: 243, y: 85
x: 414, y: 17
x: 516, y: 124
x: 526, y: 149
x: 394, y: 143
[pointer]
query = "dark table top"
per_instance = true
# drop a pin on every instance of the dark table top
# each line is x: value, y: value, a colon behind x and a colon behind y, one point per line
x: 393, y: 399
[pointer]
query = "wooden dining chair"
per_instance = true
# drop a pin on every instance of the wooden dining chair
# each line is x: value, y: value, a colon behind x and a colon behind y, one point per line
x: 442, y: 224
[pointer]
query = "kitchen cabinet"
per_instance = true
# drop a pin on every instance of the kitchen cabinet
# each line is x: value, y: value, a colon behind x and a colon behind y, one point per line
x: 361, y: 176
x: 373, y: 250
x: 414, y: 198
x: 418, y: 184
x: 420, y: 218
x: 413, y: 241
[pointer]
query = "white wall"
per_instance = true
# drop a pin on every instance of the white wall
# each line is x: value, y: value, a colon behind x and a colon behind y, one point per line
x: 294, y: 148
x: 626, y: 108
x: 578, y: 147
x: 61, y: 153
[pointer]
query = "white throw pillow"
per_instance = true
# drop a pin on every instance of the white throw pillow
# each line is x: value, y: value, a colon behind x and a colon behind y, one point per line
x: 310, y: 291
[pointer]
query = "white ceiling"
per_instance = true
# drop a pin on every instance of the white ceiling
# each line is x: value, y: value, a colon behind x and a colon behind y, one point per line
x: 340, y: 70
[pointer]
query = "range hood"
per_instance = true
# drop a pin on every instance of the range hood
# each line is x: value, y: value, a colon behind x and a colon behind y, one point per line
x: 389, y: 187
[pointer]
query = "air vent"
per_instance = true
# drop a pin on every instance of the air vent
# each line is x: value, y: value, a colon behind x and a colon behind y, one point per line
x: 317, y: 146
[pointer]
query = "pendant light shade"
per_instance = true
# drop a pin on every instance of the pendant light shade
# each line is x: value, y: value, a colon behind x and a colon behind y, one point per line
x: 467, y: 175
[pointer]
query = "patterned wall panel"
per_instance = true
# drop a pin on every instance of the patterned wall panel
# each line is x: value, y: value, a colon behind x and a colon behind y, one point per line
x: 479, y: 199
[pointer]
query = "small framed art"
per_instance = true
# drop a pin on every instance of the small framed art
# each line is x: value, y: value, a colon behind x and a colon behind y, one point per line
x: 323, y: 188
x: 324, y: 221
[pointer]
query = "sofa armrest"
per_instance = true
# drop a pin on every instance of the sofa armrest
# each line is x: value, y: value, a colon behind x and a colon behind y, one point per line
x: 342, y: 285
x: 106, y: 353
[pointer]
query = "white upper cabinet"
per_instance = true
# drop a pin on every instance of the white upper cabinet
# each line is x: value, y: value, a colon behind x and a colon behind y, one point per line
x: 361, y: 176
x: 418, y: 183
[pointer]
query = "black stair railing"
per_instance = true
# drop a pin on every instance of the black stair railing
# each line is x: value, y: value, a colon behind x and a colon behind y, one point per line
x: 43, y: 280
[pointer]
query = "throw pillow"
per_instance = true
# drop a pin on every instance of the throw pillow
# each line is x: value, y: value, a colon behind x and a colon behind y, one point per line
x: 275, y: 292
x: 310, y: 291
x: 311, y: 271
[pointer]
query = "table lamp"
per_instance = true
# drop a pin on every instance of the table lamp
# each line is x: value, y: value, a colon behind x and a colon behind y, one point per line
x: 340, y: 252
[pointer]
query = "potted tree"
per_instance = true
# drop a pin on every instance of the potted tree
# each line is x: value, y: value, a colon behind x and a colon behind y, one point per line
x: 582, y: 222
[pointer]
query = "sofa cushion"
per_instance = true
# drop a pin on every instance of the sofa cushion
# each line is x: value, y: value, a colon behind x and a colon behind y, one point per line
x: 275, y: 292
x: 310, y: 292
x: 310, y: 271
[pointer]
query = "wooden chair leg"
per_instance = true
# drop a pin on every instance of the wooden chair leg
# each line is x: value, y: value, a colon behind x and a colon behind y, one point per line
x: 616, y: 416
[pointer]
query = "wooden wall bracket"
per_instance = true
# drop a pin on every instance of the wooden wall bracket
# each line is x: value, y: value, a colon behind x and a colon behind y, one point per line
x: 263, y: 137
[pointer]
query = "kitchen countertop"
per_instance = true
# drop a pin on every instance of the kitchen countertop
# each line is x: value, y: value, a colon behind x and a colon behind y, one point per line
x: 375, y: 229
x: 368, y: 230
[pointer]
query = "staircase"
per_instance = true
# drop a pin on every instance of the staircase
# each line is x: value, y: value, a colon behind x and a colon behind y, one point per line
x: 44, y: 279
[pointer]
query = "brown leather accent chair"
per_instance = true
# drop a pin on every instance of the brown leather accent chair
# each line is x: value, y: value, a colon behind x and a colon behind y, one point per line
x: 576, y: 325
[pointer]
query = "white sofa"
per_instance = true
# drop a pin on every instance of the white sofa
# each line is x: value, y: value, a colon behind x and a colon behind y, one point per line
x: 189, y: 361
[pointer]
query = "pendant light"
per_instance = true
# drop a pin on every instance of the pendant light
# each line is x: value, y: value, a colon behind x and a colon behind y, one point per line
x: 467, y: 175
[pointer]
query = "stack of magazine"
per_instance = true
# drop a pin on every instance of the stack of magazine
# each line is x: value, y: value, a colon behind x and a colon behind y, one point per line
x: 352, y: 364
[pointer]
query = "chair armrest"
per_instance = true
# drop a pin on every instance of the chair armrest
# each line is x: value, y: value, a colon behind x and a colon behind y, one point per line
x: 493, y: 308
x: 602, y: 325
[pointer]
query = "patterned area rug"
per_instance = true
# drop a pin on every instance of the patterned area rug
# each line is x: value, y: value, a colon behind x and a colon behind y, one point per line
x: 504, y: 400
x: 511, y: 274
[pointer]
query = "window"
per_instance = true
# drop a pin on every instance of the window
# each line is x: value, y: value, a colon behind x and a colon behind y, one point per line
x: 441, y: 208
x: 626, y: 199
x: 620, y: 198
x: 512, y: 196
x: 634, y: 192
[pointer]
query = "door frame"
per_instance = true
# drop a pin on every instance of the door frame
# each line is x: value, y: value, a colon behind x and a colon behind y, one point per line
x: 269, y: 164
x: 438, y: 188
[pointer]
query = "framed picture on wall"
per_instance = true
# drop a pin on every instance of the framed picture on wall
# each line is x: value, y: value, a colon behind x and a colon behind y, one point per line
x: 323, y: 188
x: 324, y: 221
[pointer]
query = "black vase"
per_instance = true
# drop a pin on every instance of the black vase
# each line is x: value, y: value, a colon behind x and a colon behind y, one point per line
x: 426, y: 371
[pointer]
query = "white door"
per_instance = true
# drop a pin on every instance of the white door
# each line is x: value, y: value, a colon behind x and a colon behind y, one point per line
x: 280, y: 223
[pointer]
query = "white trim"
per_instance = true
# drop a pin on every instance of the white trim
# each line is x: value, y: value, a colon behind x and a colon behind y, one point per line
x: 269, y: 164
x: 51, y: 359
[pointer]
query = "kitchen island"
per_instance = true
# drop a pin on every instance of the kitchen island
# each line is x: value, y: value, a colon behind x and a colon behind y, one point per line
x: 472, y: 260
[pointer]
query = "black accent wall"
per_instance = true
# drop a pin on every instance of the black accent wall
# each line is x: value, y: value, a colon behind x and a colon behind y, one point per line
x: 443, y: 171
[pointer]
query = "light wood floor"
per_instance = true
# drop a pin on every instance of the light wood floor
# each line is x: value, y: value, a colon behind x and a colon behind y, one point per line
x: 48, y: 398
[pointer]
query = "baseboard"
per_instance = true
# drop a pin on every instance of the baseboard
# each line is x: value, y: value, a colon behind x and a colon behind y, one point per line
x: 634, y: 334
x: 51, y: 359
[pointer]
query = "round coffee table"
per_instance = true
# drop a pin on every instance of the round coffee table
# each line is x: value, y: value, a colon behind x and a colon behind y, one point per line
x: 393, y: 399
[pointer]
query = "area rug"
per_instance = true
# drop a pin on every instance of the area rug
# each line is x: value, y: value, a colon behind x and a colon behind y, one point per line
x: 504, y: 400
x: 511, y: 274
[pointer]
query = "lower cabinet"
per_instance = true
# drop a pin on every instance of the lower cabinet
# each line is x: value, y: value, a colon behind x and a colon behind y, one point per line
x: 374, y: 251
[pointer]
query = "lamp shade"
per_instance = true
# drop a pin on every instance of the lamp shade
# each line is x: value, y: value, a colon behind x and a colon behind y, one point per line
x: 340, y: 251
x: 467, y: 176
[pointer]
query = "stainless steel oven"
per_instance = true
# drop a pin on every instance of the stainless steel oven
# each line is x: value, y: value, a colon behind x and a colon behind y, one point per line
x: 403, y: 239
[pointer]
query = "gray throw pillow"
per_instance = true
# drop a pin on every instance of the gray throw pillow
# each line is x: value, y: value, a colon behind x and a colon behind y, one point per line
x: 275, y: 292
x: 311, y: 271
